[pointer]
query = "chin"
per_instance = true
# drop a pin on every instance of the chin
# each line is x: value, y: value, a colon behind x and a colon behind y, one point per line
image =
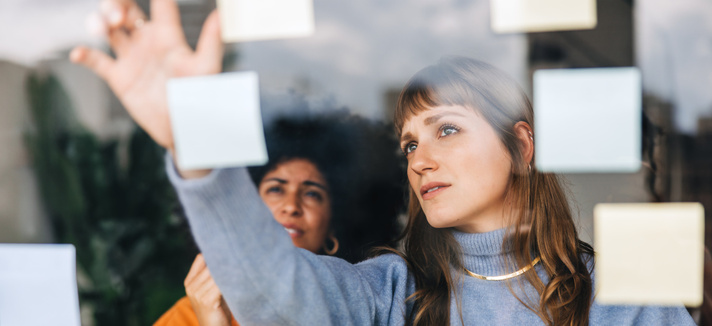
x: 439, y: 219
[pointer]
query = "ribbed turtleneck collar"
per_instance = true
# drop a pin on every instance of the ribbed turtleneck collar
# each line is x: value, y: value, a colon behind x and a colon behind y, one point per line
x: 481, y: 244
x: 482, y: 252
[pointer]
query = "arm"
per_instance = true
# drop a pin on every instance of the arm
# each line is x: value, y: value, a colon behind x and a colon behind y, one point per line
x: 265, y: 279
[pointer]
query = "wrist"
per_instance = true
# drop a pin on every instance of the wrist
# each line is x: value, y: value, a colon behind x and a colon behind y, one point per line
x: 186, y: 174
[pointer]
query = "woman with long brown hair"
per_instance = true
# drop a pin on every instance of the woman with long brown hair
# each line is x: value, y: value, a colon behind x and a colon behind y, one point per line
x: 466, y: 129
x: 490, y: 239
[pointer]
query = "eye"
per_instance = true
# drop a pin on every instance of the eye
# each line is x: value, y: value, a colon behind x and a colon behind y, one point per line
x: 409, y: 148
x: 315, y: 195
x: 274, y: 190
x: 447, y: 130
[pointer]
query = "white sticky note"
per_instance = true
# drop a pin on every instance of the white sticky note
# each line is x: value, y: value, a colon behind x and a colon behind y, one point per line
x: 216, y: 121
x: 649, y: 253
x: 515, y: 16
x: 38, y: 285
x: 249, y: 20
x: 588, y: 120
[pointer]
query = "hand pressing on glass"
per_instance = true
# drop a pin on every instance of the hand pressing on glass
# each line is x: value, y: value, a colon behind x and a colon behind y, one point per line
x: 205, y: 297
x: 148, y: 54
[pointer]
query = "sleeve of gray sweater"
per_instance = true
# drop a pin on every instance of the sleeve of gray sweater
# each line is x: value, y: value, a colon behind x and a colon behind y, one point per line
x: 265, y: 279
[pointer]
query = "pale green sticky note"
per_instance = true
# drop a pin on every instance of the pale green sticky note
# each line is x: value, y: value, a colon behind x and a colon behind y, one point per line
x: 250, y: 20
x: 523, y: 16
x: 649, y: 253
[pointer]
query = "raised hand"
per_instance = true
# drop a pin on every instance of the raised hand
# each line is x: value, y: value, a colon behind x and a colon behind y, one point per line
x: 205, y: 297
x: 148, y: 53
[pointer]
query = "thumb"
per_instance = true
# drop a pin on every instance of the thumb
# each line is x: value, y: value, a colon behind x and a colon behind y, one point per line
x: 210, y: 46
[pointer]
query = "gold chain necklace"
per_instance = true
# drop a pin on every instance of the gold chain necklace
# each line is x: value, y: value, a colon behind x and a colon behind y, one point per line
x: 504, y: 277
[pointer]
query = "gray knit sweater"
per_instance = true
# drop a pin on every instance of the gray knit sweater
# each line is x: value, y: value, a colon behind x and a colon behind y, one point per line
x: 267, y: 281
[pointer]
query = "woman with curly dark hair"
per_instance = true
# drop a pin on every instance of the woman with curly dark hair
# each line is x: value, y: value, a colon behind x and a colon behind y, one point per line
x: 336, y: 185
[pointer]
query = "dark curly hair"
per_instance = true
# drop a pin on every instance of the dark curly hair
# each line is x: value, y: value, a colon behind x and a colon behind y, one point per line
x: 361, y: 163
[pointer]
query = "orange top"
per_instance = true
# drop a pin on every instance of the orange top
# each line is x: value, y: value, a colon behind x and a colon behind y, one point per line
x: 182, y: 314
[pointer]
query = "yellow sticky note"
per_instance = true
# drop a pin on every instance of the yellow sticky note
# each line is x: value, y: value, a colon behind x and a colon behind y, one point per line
x: 250, y: 20
x: 514, y: 16
x: 649, y: 253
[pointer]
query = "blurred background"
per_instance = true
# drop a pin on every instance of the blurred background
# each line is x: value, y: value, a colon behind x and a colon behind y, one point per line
x: 74, y: 168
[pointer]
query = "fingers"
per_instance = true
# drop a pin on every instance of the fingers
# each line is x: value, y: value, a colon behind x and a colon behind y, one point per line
x: 195, y: 269
x: 119, y: 41
x: 201, y: 288
x: 113, y: 12
x: 208, y: 295
x: 134, y: 16
x: 165, y: 12
x: 200, y: 280
x: 122, y: 13
x: 97, y: 61
x: 210, y: 45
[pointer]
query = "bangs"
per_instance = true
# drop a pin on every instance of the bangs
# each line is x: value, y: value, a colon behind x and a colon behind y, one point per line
x: 429, y: 88
x: 469, y: 83
x: 412, y: 101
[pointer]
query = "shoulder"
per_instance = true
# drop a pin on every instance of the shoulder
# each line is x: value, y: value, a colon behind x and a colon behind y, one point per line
x: 389, y: 270
x: 389, y: 278
x: 387, y: 263
x: 377, y: 270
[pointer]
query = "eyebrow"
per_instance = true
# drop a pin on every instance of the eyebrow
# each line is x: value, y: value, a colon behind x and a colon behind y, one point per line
x: 406, y: 137
x: 437, y: 117
x: 430, y: 120
x: 315, y: 184
x: 308, y: 183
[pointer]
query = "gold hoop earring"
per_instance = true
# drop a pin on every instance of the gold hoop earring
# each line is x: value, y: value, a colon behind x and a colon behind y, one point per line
x: 334, y: 249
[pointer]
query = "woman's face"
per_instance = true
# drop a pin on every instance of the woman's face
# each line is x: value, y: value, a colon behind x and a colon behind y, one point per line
x: 296, y: 193
x: 457, y: 167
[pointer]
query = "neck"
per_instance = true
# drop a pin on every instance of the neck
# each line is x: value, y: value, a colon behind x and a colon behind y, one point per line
x: 493, y: 219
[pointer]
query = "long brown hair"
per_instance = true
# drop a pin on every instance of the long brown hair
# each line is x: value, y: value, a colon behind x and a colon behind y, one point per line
x: 542, y: 223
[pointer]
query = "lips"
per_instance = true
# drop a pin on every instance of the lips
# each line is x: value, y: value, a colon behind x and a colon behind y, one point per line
x: 432, y: 189
x: 293, y: 230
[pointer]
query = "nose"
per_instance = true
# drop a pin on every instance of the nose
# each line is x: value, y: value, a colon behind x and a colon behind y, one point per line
x: 423, y: 160
x: 291, y: 205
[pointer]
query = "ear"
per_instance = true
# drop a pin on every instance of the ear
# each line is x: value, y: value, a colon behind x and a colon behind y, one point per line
x: 524, y: 133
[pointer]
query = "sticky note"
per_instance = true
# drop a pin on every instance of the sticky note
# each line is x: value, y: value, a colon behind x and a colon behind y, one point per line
x: 249, y: 20
x: 588, y: 120
x: 38, y: 285
x: 649, y: 253
x: 519, y: 16
x: 216, y: 121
